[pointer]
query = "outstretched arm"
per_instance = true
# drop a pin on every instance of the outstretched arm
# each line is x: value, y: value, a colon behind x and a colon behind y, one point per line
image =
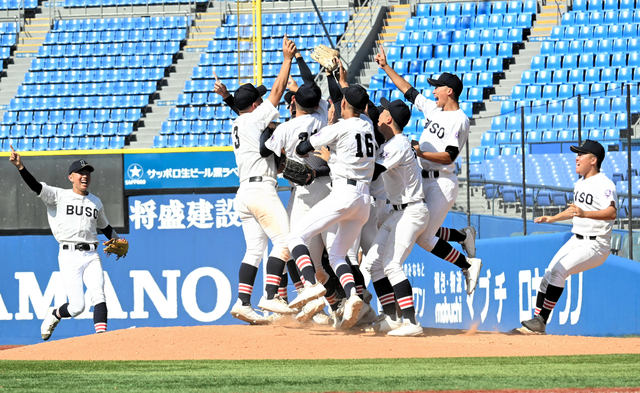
x: 289, y: 50
x: 400, y: 82
x: 28, y: 178
x: 305, y: 72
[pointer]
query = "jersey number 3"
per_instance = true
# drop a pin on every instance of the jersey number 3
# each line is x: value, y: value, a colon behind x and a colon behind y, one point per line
x: 368, y: 143
x: 236, y: 139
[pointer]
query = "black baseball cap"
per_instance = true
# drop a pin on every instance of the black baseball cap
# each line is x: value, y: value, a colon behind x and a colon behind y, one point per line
x: 288, y: 96
x: 449, y: 80
x: 79, y: 165
x: 589, y: 146
x: 308, y: 95
x: 357, y: 96
x: 247, y: 94
x: 399, y: 111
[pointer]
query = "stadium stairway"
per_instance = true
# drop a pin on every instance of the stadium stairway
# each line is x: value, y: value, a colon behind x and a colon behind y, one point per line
x: 548, y: 18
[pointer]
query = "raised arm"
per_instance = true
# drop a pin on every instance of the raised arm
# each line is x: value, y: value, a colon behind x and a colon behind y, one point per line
x: 289, y: 50
x: 400, y: 82
x: 305, y: 72
x: 28, y: 178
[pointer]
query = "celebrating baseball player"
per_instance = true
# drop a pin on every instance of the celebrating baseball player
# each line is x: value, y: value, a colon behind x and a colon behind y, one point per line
x: 262, y: 214
x: 352, y: 164
x: 446, y: 129
x: 593, y: 212
x: 74, y: 215
x: 396, y: 163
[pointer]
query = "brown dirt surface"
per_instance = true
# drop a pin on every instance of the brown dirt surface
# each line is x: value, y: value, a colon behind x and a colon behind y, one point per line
x: 310, y: 342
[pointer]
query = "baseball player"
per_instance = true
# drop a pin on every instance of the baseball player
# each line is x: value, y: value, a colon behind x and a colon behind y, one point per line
x: 74, y: 215
x: 593, y: 212
x: 445, y: 132
x: 351, y: 163
x: 262, y: 214
x: 396, y: 163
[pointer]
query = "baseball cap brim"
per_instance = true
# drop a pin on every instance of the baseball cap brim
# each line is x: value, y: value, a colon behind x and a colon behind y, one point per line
x: 261, y: 90
x: 577, y: 149
x: 435, y: 82
x: 384, y: 103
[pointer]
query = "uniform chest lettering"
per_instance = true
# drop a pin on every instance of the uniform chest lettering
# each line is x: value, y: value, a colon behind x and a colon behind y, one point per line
x: 583, y: 197
x: 434, y: 128
x: 82, y: 211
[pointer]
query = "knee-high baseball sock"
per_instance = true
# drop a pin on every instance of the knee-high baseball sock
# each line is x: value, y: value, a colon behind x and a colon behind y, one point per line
x: 294, y: 273
x: 331, y: 295
x: 386, y: 296
x: 345, y: 275
x: 246, y: 278
x: 451, y: 235
x: 539, y: 303
x: 275, y: 266
x: 445, y: 251
x: 303, y: 260
x: 282, y: 288
x: 100, y: 317
x: 61, y: 312
x: 404, y: 294
x: 550, y: 300
x: 357, y: 277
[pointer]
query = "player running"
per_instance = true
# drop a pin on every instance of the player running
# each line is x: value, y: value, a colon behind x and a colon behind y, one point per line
x: 593, y: 212
x: 74, y: 216
x: 446, y: 129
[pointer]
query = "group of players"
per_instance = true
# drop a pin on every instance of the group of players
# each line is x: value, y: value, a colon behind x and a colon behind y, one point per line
x: 371, y: 195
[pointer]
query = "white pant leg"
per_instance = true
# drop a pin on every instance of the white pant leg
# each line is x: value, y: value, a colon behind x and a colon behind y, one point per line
x: 94, y: 279
x: 370, y: 228
x: 440, y: 193
x: 372, y: 261
x: 576, y: 256
x: 76, y: 269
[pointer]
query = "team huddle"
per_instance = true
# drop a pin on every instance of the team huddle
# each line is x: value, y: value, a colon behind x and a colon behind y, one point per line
x: 369, y: 196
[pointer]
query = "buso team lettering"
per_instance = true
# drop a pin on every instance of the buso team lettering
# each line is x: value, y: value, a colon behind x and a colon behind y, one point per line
x: 583, y: 197
x: 434, y: 129
x: 78, y: 211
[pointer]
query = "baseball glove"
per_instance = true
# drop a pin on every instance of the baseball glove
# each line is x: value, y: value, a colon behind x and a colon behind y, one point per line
x: 120, y: 247
x: 298, y: 173
x: 324, y: 55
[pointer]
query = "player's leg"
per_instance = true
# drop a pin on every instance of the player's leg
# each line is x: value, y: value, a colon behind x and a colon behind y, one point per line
x: 574, y: 257
x: 465, y: 236
x: 94, y: 280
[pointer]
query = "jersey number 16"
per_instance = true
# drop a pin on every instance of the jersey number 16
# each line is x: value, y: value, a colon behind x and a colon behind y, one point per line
x: 368, y: 143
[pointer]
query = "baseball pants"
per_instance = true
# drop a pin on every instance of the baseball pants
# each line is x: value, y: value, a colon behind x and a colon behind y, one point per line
x: 577, y: 255
x: 440, y: 193
x: 77, y: 267
x: 394, y: 242
x: 379, y: 212
x: 263, y: 217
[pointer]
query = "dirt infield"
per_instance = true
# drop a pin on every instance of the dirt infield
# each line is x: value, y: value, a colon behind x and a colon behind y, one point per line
x: 312, y: 342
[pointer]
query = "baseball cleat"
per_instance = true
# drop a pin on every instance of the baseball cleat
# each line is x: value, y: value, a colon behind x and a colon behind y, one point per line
x: 321, y: 318
x: 310, y: 309
x: 367, y: 296
x: 407, y: 329
x: 351, y: 310
x: 367, y: 316
x: 48, y: 324
x: 386, y: 324
x: 472, y: 274
x: 536, y: 325
x: 277, y: 304
x: 309, y: 293
x: 469, y: 244
x: 248, y: 314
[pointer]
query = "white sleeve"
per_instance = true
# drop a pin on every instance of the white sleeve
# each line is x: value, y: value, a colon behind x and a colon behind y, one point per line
x: 389, y: 156
x: 453, y: 137
x: 425, y: 105
x: 611, y: 195
x: 325, y: 136
x: 264, y: 114
x: 102, y: 221
x: 277, y: 140
x: 49, y: 195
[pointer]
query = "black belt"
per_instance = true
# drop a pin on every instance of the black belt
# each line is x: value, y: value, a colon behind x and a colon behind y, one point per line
x: 255, y: 179
x: 430, y: 174
x: 352, y: 182
x: 404, y: 205
x: 586, y: 237
x: 82, y: 246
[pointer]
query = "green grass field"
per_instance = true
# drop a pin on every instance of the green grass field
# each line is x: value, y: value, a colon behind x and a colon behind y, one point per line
x: 381, y: 375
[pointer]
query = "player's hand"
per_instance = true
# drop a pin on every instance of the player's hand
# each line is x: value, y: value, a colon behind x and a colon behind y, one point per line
x: 292, y: 85
x: 221, y: 89
x: 15, y: 159
x: 342, y: 77
x: 323, y: 153
x: 538, y: 220
x: 575, y: 210
x: 416, y: 147
x: 288, y: 48
x: 381, y: 58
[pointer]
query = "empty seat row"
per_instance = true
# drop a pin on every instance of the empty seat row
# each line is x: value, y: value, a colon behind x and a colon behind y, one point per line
x: 68, y: 143
x: 145, y: 23
x: 279, y: 31
x: 8, y: 40
x: 114, y: 49
x: 226, y: 58
x: 73, y: 116
x: 559, y: 122
x: 595, y: 18
x: 599, y: 5
x: 18, y: 4
x: 66, y: 129
x: 468, y: 94
x: 112, y: 3
x: 87, y: 89
x: 570, y: 62
x: 268, y: 44
x: 204, y: 140
x: 536, y: 92
x: 479, y: 8
x: 570, y: 106
x: 104, y: 62
x: 591, y: 47
x: 200, y: 126
x: 594, y: 75
x: 109, y: 36
x: 99, y: 102
x: 474, y: 36
x: 294, y: 18
x: 235, y: 71
x: 506, y: 137
x: 469, y: 22
x: 455, y: 51
x: 88, y: 76
x: 198, y: 99
x: 201, y: 113
x: 600, y: 32
x: 435, y: 66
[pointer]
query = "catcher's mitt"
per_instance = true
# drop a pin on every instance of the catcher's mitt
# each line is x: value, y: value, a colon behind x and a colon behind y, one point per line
x: 298, y: 173
x: 120, y: 247
x: 324, y: 55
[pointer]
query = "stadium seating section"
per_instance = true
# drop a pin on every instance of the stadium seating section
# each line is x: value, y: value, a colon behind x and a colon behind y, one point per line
x: 200, y: 118
x: 18, y: 4
x: 91, y: 82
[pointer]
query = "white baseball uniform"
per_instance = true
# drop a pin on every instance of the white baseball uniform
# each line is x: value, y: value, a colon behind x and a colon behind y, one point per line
x: 591, y: 244
x: 441, y: 129
x: 257, y: 203
x: 74, y: 220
